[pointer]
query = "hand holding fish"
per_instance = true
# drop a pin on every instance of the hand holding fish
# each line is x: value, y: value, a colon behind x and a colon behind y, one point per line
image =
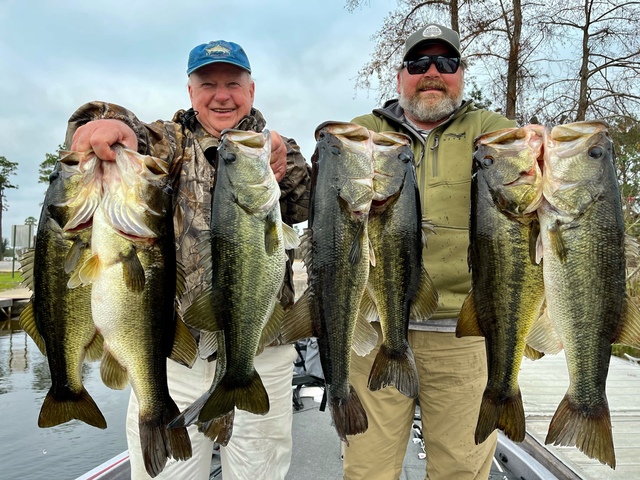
x: 101, y: 135
x: 278, y: 159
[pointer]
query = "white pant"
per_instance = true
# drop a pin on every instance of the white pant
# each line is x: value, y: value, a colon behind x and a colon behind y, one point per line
x: 260, y: 446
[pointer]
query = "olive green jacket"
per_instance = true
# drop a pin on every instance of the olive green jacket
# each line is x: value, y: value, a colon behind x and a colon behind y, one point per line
x: 191, y: 153
x: 443, y: 169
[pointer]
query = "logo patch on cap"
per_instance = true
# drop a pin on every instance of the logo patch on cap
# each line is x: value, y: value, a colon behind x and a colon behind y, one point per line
x: 218, y: 51
x: 432, y: 31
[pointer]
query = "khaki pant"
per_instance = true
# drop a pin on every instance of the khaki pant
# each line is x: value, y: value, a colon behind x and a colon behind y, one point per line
x: 260, y: 445
x: 453, y: 375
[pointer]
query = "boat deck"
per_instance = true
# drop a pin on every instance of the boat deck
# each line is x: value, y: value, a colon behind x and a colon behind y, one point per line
x: 544, y: 383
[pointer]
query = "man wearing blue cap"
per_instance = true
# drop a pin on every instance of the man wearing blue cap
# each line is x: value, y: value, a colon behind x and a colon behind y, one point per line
x: 452, y: 371
x: 221, y: 92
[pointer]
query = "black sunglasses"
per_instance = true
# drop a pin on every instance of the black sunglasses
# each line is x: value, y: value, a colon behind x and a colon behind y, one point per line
x: 422, y: 64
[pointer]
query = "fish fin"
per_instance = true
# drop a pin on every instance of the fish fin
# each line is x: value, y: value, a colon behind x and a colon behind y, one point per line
x: 28, y: 324
x: 252, y: 398
x: 271, y: 329
x: 297, y: 323
x: 355, y: 252
x: 428, y: 228
x: 305, y: 248
x: 291, y: 238
x: 531, y: 353
x: 219, y: 429
x: 534, y: 238
x: 348, y: 415
x: 629, y: 333
x: 539, y: 254
x: 271, y: 240
x: 74, y: 255
x: 365, y: 337
x: 74, y: 280
x: 208, y: 343
x: 557, y: 243
x: 200, y: 314
x: 88, y: 272
x: 132, y: 271
x: 83, y: 207
x: 372, y: 255
x: 185, y: 349
x: 507, y: 414
x: 113, y: 374
x: 589, y: 431
x: 543, y: 336
x: 65, y: 405
x: 467, y: 325
x: 158, y: 442
x: 95, y: 348
x: 426, y: 300
x: 189, y: 415
x: 397, y: 369
x: 26, y: 267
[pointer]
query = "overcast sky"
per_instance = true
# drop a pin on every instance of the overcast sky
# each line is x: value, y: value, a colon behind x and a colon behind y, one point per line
x: 56, y: 55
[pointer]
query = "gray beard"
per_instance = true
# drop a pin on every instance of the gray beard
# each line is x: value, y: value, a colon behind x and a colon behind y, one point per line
x: 429, y: 113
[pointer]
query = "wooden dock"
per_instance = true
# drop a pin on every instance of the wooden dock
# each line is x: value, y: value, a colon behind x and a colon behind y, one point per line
x: 544, y: 383
x: 9, y: 299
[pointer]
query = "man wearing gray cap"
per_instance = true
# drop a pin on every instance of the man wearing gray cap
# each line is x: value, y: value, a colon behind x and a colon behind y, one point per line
x: 452, y: 371
x: 221, y: 91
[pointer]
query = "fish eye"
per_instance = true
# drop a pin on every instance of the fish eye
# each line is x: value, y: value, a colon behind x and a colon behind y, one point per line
x: 404, y: 158
x: 168, y: 190
x: 487, y: 161
x: 335, y: 150
x: 229, y: 157
x: 54, y: 176
x: 596, y: 152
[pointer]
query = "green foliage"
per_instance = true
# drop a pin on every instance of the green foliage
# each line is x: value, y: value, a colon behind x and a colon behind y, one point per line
x: 478, y: 97
x: 7, y: 169
x: 625, y: 133
x: 620, y: 350
x: 46, y: 167
x: 7, y: 281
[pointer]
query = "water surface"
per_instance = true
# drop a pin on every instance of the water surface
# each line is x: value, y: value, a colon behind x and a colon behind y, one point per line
x: 62, y: 452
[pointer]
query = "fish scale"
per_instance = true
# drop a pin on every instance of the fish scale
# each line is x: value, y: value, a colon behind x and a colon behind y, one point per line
x: 582, y: 233
x: 507, y: 284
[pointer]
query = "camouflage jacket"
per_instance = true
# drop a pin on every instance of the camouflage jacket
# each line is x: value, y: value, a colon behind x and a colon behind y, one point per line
x: 191, y: 153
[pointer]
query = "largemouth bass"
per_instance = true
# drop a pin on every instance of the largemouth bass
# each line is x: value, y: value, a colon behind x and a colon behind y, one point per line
x: 133, y: 274
x: 583, y: 237
x: 398, y: 282
x: 59, y: 318
x: 337, y: 261
x: 507, y: 285
x: 248, y: 243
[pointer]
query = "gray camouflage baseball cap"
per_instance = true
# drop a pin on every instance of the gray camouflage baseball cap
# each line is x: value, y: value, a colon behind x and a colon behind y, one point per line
x: 429, y: 34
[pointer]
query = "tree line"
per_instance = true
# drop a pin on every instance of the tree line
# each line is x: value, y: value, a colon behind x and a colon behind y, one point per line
x: 535, y: 62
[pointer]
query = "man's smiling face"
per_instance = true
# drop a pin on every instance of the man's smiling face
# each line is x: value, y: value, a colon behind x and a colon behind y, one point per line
x: 222, y: 94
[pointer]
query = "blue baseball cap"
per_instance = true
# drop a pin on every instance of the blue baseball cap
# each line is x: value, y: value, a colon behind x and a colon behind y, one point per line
x: 218, y: 51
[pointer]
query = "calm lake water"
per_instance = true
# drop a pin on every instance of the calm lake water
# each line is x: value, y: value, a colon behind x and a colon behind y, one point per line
x: 63, y: 452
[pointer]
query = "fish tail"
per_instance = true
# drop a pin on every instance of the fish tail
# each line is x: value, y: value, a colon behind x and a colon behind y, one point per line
x: 219, y: 429
x: 589, y: 431
x: 251, y: 397
x: 158, y: 442
x: 507, y: 414
x: 60, y: 408
x: 397, y: 369
x: 349, y: 416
